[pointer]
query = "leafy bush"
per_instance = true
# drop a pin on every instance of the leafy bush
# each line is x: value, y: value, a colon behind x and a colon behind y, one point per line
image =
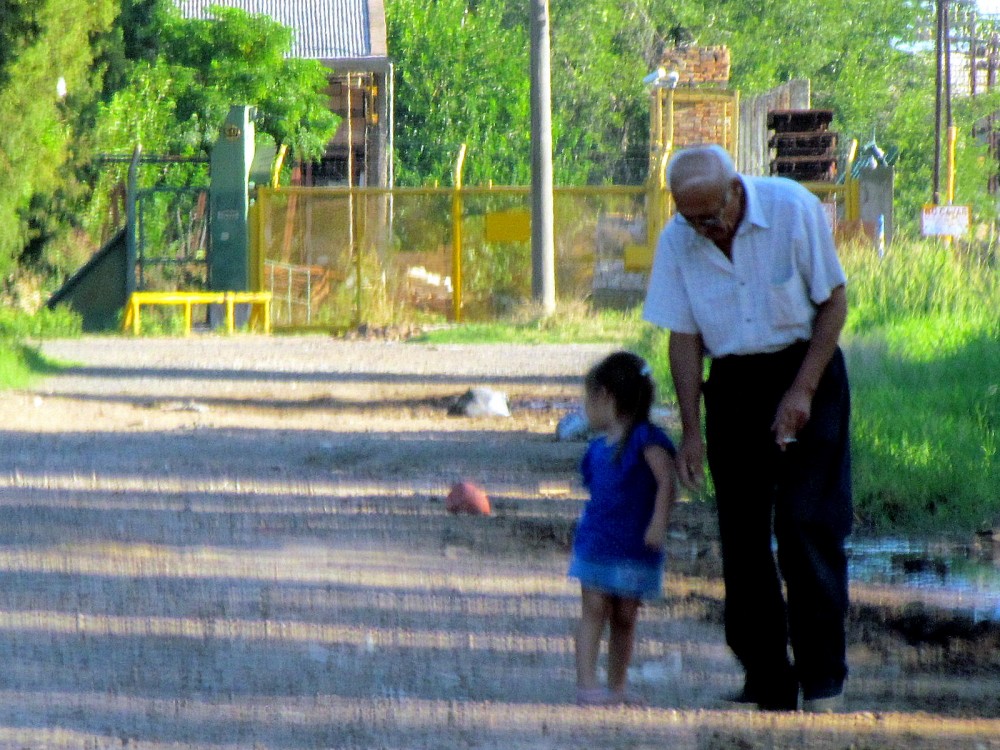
x: 17, y: 326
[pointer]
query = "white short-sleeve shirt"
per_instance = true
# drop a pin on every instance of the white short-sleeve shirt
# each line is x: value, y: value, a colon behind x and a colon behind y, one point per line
x: 784, y: 263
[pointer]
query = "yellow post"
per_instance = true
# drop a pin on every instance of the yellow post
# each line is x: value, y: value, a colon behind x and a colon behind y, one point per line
x: 950, y: 185
x: 659, y: 156
x: 852, y: 189
x: 656, y: 129
x: 664, y: 195
x: 652, y: 209
x: 134, y: 308
x: 667, y: 137
x: 852, y: 200
x: 267, y: 314
x: 129, y: 314
x: 736, y: 126
x: 279, y: 159
x: 666, y: 148
x: 355, y: 244
x: 456, y: 237
x: 230, y: 313
x: 852, y: 152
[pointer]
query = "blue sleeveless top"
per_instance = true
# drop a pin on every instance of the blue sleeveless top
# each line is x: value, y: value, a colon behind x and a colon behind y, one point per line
x: 622, y: 494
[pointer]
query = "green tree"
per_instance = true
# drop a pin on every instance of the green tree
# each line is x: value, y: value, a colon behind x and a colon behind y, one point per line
x: 135, y: 36
x: 181, y: 77
x: 43, y: 42
x: 600, y: 53
x: 462, y: 77
x: 869, y: 66
x: 201, y: 68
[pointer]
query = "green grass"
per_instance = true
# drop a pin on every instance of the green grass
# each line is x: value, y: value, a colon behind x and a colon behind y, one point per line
x: 21, y: 365
x: 926, y: 429
x: 572, y: 323
x: 20, y: 362
x: 923, y: 350
x: 919, y: 280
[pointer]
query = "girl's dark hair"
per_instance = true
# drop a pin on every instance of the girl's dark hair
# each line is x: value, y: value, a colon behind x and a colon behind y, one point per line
x: 628, y: 379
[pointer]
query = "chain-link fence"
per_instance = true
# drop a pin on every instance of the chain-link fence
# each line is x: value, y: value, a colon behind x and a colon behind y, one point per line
x: 338, y: 256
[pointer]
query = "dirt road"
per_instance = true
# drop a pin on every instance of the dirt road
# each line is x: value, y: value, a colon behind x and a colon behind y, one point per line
x: 242, y: 543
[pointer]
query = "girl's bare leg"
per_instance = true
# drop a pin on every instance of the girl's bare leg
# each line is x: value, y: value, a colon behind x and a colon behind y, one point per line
x: 596, y: 608
x: 623, y: 616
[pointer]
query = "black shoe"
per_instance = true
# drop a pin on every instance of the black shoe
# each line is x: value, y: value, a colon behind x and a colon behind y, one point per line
x: 786, y: 699
x: 787, y: 702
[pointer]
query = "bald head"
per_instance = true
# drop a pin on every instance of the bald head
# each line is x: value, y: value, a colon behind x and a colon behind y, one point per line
x: 707, y: 192
x: 700, y: 168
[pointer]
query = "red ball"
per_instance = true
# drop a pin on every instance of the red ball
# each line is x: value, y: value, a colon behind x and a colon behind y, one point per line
x: 466, y: 497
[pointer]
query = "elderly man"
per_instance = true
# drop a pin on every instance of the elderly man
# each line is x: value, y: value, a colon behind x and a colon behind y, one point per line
x: 746, y: 273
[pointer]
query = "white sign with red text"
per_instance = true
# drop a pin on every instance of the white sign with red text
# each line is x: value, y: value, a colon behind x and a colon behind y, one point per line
x: 945, y: 221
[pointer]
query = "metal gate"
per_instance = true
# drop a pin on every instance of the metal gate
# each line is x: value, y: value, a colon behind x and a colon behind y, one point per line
x: 172, y: 238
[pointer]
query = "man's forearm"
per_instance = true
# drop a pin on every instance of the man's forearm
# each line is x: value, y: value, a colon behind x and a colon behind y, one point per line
x: 829, y: 322
x: 686, y: 366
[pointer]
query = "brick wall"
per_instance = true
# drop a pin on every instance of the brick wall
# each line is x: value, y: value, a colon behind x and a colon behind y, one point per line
x: 698, y: 67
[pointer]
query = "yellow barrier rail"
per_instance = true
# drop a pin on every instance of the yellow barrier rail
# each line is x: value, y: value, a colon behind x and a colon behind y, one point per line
x: 260, y: 307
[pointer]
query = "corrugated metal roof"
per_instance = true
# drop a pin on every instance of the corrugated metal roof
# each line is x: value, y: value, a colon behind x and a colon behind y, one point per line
x: 324, y: 29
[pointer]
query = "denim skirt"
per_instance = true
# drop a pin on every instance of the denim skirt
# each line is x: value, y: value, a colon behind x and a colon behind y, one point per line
x: 625, y: 578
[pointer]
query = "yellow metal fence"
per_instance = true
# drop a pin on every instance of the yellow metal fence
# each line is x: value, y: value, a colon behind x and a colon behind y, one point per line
x: 336, y: 257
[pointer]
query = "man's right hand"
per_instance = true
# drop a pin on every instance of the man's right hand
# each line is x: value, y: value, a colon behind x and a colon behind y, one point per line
x: 691, y: 462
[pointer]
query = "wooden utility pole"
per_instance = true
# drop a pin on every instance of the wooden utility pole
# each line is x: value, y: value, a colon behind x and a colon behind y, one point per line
x: 543, y: 283
x: 939, y: 42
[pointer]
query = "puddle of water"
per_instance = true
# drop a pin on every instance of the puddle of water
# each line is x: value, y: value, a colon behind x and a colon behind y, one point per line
x: 947, y: 575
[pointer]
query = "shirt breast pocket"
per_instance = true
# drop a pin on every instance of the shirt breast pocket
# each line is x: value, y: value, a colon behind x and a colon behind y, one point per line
x: 788, y: 303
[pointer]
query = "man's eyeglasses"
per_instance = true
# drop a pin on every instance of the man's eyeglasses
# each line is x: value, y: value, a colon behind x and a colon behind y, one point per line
x: 712, y: 221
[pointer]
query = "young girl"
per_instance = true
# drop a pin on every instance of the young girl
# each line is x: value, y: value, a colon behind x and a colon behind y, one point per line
x: 618, y: 547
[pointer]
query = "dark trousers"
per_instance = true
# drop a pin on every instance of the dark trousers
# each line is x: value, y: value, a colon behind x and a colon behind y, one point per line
x: 803, y: 497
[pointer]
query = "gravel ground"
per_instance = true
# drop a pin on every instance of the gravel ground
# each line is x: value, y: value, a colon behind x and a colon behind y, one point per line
x: 242, y: 543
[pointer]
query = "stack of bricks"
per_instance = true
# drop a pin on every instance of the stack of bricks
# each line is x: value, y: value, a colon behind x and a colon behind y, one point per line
x: 805, y: 148
x: 701, y: 122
